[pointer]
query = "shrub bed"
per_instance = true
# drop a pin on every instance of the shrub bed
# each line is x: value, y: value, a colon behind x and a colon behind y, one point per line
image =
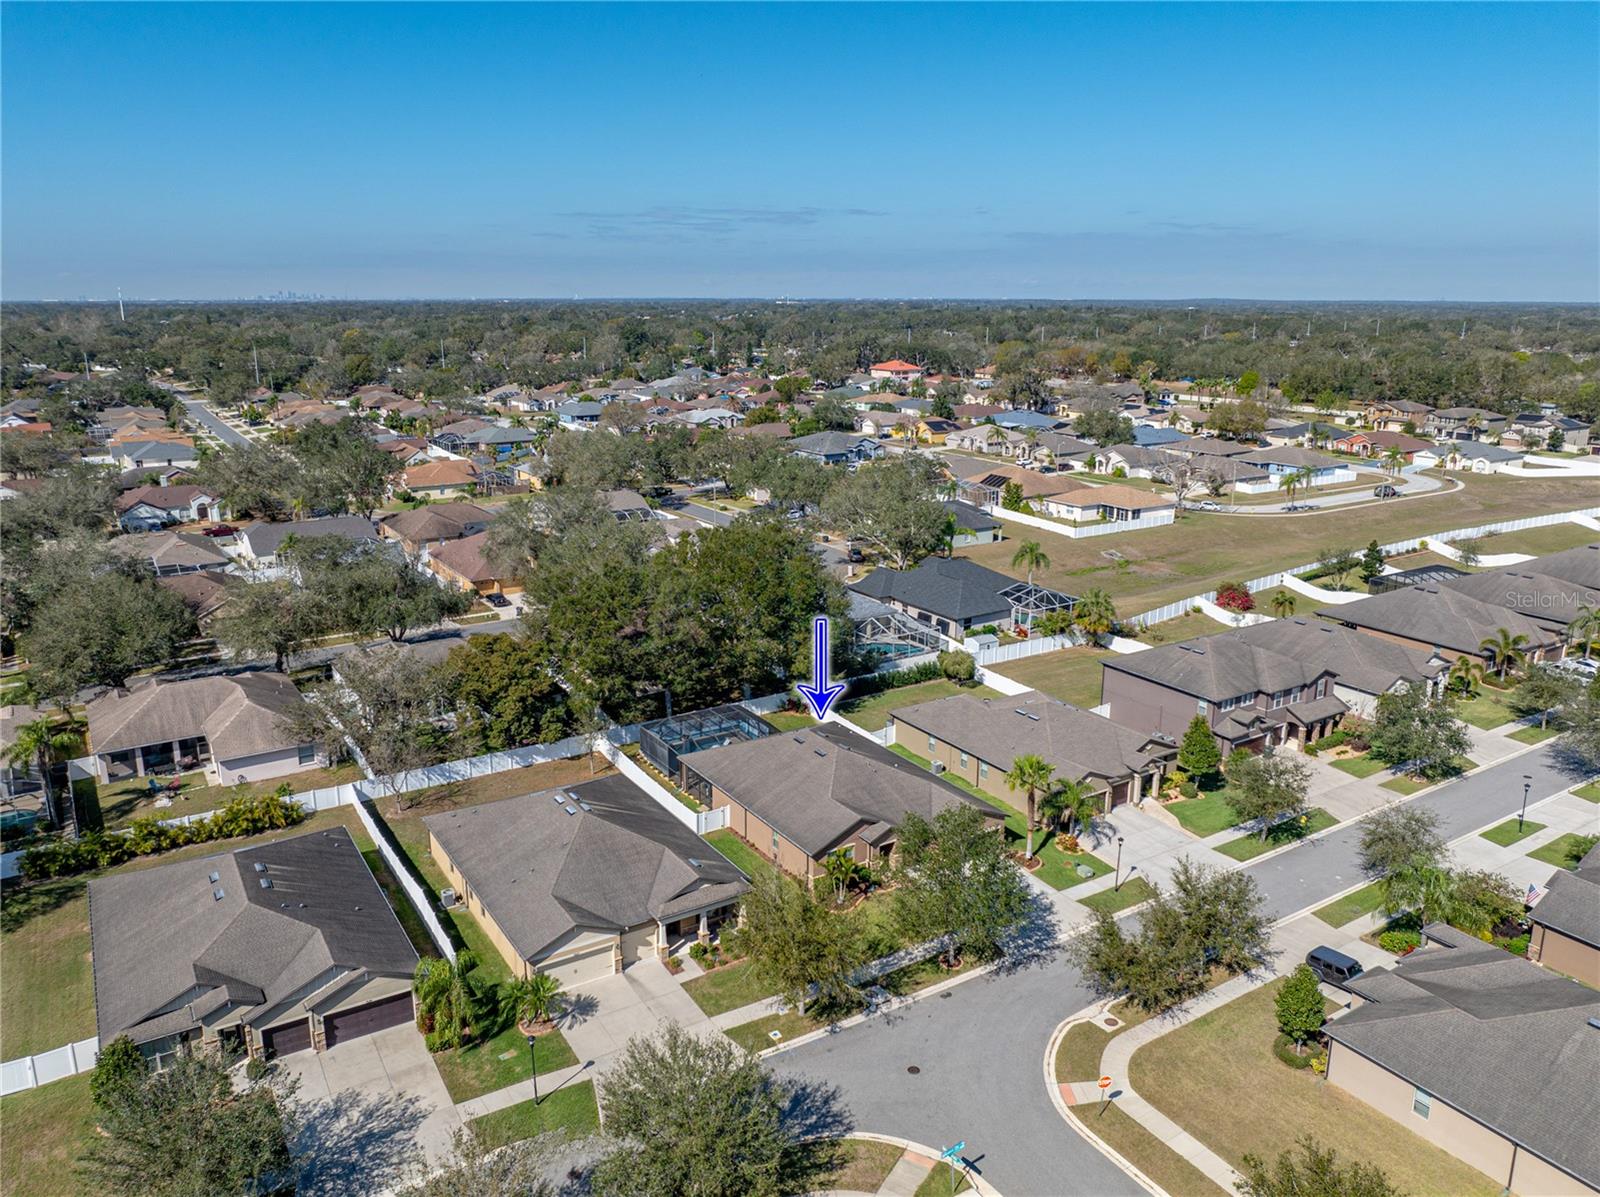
x: 1283, y: 1048
x: 148, y: 836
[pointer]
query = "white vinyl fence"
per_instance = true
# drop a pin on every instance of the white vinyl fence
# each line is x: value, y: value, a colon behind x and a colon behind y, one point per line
x: 29, y: 1072
x: 1080, y: 531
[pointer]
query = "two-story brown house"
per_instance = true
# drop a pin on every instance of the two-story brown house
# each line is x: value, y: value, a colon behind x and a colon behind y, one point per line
x: 798, y: 796
x: 1252, y: 696
x: 978, y: 740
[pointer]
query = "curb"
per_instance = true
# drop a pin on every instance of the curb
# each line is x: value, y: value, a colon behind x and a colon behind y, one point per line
x: 979, y: 1184
x: 1053, y: 1087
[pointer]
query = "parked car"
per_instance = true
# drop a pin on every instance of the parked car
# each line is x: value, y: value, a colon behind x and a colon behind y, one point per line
x: 1385, y: 491
x: 1209, y: 505
x: 220, y: 530
x: 1333, y: 966
x: 497, y: 600
x: 1578, y: 665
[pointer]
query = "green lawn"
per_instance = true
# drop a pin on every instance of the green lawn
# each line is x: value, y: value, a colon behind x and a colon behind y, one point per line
x: 1070, y: 674
x: 1589, y: 791
x: 46, y: 1130
x: 790, y: 720
x: 1218, y: 1078
x: 1205, y: 815
x: 1057, y: 869
x: 1176, y: 1175
x: 1534, y: 734
x: 124, y: 801
x: 872, y: 712
x: 1186, y: 627
x: 499, y: 1061
x: 1553, y: 538
x: 1564, y: 851
x: 1486, y: 709
x: 864, y: 1165
x: 745, y: 858
x: 1246, y: 847
x: 1358, y: 766
x: 942, y: 1180
x: 755, y: 1036
x: 1506, y: 834
x: 727, y: 988
x: 571, y: 1109
x: 1352, y: 906
x: 1406, y: 784
x: 1133, y: 891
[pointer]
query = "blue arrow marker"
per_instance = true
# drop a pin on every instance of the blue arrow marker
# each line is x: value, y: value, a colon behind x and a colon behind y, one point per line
x: 819, y: 695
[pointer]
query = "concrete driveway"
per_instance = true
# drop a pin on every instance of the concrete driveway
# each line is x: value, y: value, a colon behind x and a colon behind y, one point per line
x: 368, y: 1106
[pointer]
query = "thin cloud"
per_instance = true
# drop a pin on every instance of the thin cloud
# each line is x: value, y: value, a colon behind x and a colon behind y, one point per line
x: 705, y: 221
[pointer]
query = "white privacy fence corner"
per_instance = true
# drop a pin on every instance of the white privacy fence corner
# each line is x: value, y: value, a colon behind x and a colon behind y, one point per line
x: 1310, y: 590
x: 1080, y: 531
x: 1231, y: 619
x: 1486, y: 560
x: 1000, y: 682
x: 29, y: 1072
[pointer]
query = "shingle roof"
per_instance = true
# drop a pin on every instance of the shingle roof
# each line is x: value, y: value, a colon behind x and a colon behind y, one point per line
x: 816, y: 787
x: 237, y: 715
x: 616, y: 861
x: 438, y: 521
x: 159, y: 934
x: 1580, y: 565
x: 1366, y: 663
x: 466, y: 557
x: 1113, y: 495
x: 1571, y: 903
x: 171, y: 550
x: 1292, y: 455
x: 970, y: 518
x: 1554, y: 602
x: 1436, y: 615
x: 440, y: 473
x: 1503, y: 1041
x: 954, y: 587
x: 164, y: 498
x: 998, y: 730
x: 264, y: 539
x: 1219, y: 667
x: 829, y: 444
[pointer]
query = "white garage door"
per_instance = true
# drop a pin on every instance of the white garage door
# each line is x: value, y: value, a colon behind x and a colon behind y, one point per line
x: 639, y: 943
x: 581, y: 969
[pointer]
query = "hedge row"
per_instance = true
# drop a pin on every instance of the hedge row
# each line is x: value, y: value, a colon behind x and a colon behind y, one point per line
x: 148, y: 836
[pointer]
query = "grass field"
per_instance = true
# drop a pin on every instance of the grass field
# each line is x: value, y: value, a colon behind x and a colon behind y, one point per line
x: 1070, y: 674
x: 1205, y: 815
x: 1247, y: 847
x: 727, y: 988
x: 1486, y: 709
x: 46, y: 1130
x: 864, y: 1165
x: 499, y: 1061
x: 1406, y: 784
x: 124, y: 801
x: 1202, y: 549
x: 1540, y: 541
x: 873, y: 711
x: 1352, y: 906
x: 1506, y: 834
x: 1358, y: 766
x: 1134, y: 890
x: 943, y: 1180
x: 1564, y: 851
x: 1218, y: 1078
x: 1589, y: 791
x: 745, y: 858
x: 790, y: 720
x: 572, y: 1109
x: 1535, y: 734
x: 1185, y: 627
x: 756, y: 1035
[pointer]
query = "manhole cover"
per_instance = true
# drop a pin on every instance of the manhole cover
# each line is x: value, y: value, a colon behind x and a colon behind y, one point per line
x: 913, y: 1069
x: 1113, y: 1022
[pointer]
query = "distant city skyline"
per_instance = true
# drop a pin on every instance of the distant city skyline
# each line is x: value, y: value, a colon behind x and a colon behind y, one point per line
x: 1112, y: 152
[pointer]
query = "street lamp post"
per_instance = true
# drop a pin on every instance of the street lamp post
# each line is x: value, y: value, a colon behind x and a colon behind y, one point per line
x: 1118, y: 884
x: 533, y: 1065
x: 1527, y: 784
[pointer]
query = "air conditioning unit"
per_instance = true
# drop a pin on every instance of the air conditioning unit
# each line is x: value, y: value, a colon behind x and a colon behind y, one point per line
x: 447, y: 898
x: 938, y: 766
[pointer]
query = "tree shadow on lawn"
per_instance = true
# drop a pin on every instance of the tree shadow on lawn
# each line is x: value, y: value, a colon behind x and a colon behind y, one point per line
x: 817, y: 1119
x: 21, y: 903
x: 1036, y: 942
x: 356, y: 1143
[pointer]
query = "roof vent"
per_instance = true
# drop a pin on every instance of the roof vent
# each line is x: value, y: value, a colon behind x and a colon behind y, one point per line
x: 572, y: 810
x: 558, y: 798
x: 266, y: 883
x: 214, y: 877
x: 1595, y: 1023
x: 357, y: 908
x: 218, y: 894
x: 260, y: 868
x: 582, y: 805
x: 693, y: 863
x: 819, y: 752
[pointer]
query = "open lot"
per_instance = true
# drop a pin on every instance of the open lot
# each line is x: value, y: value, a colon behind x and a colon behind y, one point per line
x: 873, y: 711
x: 1269, y: 1104
x: 47, y: 1129
x: 571, y: 1109
x: 1539, y: 541
x: 1200, y: 550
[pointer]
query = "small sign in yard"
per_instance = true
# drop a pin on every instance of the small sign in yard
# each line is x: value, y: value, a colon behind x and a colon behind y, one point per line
x: 774, y: 1035
x: 508, y: 1055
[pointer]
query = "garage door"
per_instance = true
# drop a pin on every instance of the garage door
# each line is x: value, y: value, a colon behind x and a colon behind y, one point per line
x: 582, y: 968
x: 364, y: 1020
x: 290, y: 1037
x: 639, y: 943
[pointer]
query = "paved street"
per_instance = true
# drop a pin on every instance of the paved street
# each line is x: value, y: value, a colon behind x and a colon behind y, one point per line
x: 201, y: 414
x: 979, y: 1046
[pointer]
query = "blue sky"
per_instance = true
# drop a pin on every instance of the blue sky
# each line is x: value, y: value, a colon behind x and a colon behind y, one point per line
x: 1075, y: 151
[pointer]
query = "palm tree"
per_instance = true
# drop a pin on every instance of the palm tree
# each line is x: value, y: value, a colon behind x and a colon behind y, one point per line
x: 1029, y: 556
x: 449, y: 1000
x: 1030, y: 776
x: 1072, y: 803
x: 1465, y: 674
x: 1095, y: 613
x: 41, y: 744
x: 1426, y: 888
x: 1583, y: 626
x: 840, y: 868
x: 532, y: 999
x: 1394, y: 458
x: 1283, y: 604
x: 948, y: 535
x: 1296, y: 479
x: 1503, y: 650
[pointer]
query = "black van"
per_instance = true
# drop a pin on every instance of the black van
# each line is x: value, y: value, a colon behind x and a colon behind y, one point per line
x: 1333, y: 967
